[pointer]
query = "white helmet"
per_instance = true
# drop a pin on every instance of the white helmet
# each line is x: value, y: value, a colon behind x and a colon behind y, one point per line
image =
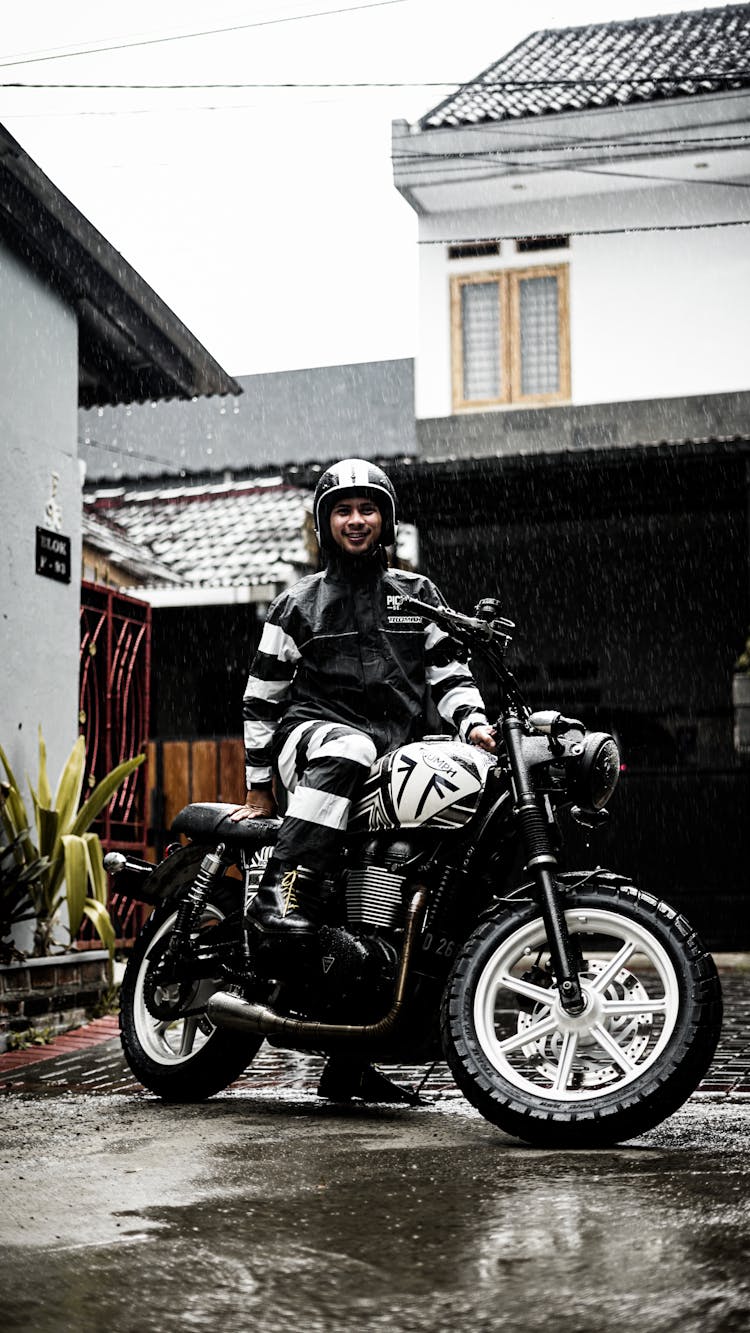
x: 353, y: 476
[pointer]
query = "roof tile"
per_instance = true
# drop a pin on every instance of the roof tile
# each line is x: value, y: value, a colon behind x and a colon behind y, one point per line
x: 607, y: 64
x: 213, y: 536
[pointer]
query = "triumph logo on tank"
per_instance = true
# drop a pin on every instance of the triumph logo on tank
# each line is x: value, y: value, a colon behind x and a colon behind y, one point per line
x: 440, y: 762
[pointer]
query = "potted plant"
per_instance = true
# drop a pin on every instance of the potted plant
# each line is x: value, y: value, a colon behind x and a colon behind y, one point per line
x: 63, y: 864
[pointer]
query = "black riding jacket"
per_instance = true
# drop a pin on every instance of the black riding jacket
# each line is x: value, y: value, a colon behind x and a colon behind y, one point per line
x: 337, y: 648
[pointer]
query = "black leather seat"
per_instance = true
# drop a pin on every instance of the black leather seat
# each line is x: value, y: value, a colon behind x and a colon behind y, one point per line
x: 209, y: 822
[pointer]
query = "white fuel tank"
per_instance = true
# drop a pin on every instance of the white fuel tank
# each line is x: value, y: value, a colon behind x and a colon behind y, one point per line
x: 436, y: 784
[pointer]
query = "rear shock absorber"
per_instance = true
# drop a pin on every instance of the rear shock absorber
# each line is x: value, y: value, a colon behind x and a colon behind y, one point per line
x: 191, y: 906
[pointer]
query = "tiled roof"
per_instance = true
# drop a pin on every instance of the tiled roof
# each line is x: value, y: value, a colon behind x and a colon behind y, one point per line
x: 605, y: 65
x: 221, y: 536
x: 103, y: 534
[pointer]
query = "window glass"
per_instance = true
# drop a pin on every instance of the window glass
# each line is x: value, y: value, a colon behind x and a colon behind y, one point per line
x: 480, y: 326
x: 539, y: 336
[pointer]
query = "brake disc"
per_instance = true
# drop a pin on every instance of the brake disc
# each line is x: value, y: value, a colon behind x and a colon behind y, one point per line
x: 592, y: 1067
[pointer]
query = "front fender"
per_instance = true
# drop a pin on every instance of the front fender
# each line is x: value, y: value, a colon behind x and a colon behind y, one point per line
x: 569, y: 880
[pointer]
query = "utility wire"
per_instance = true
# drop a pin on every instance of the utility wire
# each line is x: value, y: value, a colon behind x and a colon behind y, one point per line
x: 187, y: 36
x: 582, y: 145
x: 513, y: 85
x: 593, y: 231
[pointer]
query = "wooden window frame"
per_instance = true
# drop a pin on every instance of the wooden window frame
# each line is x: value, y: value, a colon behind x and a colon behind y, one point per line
x: 509, y: 301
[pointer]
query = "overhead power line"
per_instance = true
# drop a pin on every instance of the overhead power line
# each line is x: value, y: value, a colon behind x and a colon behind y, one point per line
x: 592, y: 231
x: 187, y: 36
x: 579, y: 145
x: 511, y: 85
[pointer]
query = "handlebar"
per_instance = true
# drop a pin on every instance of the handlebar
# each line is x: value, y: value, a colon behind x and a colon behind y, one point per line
x: 495, y: 630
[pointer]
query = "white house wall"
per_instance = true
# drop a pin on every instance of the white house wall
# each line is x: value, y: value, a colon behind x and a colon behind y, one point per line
x: 652, y: 314
x: 39, y: 616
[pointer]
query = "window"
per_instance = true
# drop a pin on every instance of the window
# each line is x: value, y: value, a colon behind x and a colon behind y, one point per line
x: 510, y: 337
x: 525, y: 244
x: 474, y: 250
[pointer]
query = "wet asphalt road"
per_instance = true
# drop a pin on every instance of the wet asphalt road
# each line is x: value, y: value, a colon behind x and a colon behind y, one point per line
x: 266, y: 1209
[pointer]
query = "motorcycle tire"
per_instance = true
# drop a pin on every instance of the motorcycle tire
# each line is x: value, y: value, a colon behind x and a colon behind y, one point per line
x: 639, y: 1049
x: 180, y: 1059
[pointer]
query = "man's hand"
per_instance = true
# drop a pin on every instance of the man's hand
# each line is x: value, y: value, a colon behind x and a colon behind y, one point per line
x: 484, y: 737
x: 258, y: 805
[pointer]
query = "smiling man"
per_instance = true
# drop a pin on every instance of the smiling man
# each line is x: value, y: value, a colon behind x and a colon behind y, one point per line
x: 341, y: 676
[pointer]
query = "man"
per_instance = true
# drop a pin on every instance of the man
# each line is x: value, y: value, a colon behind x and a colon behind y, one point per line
x: 341, y: 677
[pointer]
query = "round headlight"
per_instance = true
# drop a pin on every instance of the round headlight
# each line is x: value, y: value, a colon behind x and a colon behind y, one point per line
x: 596, y: 771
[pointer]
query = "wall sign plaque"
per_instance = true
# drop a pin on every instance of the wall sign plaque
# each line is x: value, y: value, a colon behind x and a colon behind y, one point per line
x: 53, y: 555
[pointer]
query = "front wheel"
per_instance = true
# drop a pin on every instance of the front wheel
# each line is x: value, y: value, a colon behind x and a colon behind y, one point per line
x: 168, y: 1041
x: 640, y: 1047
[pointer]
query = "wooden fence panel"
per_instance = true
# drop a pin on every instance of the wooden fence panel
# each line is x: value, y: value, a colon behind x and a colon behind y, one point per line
x: 176, y: 785
x: 204, y: 785
x: 231, y: 771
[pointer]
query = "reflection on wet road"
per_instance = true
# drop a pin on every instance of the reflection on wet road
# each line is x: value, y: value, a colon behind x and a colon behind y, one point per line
x: 266, y: 1208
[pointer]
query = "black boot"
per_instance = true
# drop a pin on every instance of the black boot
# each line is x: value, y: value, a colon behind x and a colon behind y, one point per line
x: 282, y: 906
x: 344, y: 1079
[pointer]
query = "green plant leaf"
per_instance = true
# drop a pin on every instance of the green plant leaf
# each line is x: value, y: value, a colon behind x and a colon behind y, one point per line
x: 97, y: 873
x: 48, y: 826
x: 13, y: 812
x: 45, y: 791
x: 76, y: 880
x: 8, y: 769
x: 103, y: 793
x: 69, y: 788
x: 102, y: 923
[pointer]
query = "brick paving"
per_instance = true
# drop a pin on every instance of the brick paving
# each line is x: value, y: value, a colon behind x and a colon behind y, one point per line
x: 89, y: 1060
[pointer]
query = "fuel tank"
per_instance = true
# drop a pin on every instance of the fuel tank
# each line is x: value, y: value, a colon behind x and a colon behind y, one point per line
x: 426, y: 784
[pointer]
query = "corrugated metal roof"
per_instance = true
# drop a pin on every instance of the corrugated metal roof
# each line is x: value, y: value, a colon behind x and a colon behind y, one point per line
x: 282, y: 417
x: 237, y: 535
x: 605, y: 65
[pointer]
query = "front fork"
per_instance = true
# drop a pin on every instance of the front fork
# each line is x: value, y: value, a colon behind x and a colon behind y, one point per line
x: 542, y: 864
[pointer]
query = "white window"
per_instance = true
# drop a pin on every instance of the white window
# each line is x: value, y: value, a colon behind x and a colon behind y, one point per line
x: 510, y: 337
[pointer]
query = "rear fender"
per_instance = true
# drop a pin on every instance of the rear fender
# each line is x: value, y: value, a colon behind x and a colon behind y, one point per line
x: 169, y: 879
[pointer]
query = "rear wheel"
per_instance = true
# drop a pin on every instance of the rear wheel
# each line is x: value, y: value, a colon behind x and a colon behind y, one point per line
x: 180, y: 1056
x: 643, y: 1042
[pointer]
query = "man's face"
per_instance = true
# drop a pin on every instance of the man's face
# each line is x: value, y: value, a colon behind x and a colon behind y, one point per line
x: 356, y: 524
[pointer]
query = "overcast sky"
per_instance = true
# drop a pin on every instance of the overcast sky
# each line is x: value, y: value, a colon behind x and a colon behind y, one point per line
x: 266, y: 218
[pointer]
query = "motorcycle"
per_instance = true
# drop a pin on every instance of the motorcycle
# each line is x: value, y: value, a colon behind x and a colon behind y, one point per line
x: 572, y: 1008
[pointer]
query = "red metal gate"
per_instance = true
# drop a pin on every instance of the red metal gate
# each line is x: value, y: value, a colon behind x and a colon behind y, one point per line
x: 115, y: 661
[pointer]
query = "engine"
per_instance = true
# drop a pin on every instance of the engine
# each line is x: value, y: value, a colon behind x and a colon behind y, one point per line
x: 375, y: 883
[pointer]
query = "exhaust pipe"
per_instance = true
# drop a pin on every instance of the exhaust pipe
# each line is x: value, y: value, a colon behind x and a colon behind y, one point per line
x: 231, y: 1011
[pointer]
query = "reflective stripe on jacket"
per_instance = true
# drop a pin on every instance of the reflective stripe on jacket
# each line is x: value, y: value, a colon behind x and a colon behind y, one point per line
x: 339, y: 649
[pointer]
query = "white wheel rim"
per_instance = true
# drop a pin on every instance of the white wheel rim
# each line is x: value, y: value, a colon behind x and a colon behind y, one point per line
x: 166, y: 1041
x: 632, y: 1003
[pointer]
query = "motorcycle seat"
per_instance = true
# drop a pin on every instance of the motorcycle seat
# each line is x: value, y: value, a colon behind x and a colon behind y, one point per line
x: 209, y: 822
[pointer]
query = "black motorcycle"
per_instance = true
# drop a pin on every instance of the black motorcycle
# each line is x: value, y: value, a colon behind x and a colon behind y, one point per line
x: 572, y: 1008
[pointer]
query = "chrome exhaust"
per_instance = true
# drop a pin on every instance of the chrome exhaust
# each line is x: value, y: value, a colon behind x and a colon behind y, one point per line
x: 231, y: 1011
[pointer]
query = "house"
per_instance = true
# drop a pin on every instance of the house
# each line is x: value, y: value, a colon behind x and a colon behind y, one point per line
x: 80, y: 328
x: 582, y: 398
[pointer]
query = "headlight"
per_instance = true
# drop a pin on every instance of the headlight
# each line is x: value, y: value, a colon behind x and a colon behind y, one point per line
x: 594, y: 770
